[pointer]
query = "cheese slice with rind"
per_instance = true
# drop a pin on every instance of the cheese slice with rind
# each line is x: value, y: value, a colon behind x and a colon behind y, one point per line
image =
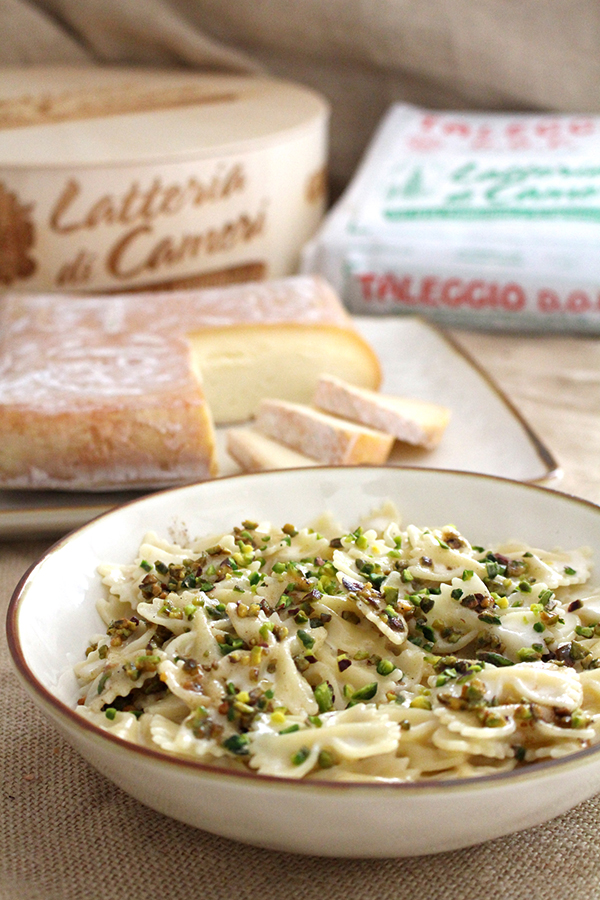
x: 330, y: 440
x: 255, y: 452
x: 408, y: 419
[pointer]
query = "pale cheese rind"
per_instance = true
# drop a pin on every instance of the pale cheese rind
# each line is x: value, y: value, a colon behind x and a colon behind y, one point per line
x: 120, y: 413
x: 326, y: 438
x: 298, y: 300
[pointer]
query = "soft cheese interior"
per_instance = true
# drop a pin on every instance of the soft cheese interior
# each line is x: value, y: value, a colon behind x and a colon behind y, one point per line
x: 243, y: 365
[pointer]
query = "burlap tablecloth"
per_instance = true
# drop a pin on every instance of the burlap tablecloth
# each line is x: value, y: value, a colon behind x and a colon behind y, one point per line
x: 66, y: 833
x: 362, y: 55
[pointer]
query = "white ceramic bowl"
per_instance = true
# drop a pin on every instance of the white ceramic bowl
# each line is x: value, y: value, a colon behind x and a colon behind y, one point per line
x: 52, y: 613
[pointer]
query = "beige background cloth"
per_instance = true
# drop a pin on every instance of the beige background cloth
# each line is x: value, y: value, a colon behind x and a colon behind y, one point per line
x: 66, y: 833
x: 362, y: 54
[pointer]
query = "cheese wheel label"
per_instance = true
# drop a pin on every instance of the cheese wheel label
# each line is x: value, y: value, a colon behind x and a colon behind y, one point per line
x: 217, y: 204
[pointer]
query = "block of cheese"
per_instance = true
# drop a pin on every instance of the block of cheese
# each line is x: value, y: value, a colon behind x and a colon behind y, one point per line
x: 261, y: 339
x: 107, y: 392
x: 255, y: 452
x: 414, y: 421
x: 326, y: 438
x: 93, y: 412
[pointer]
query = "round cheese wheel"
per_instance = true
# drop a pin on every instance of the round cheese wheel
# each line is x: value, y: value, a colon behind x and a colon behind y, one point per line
x: 116, y: 179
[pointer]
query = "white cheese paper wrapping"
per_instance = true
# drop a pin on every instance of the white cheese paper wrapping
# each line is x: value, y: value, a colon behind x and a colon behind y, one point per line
x: 474, y: 219
x: 117, y: 179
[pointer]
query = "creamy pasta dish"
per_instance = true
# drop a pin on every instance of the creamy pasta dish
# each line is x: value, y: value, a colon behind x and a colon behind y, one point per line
x: 386, y: 653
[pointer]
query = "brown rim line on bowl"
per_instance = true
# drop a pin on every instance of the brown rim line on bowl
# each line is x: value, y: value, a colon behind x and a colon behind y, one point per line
x: 485, y: 806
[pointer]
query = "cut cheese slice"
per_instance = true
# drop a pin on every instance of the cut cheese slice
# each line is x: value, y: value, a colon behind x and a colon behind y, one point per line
x: 255, y: 452
x: 414, y: 421
x: 107, y: 392
x: 325, y: 438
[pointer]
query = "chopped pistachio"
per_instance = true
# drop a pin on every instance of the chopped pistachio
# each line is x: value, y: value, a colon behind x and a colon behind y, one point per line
x: 324, y: 696
x: 421, y: 703
x: 528, y: 654
x: 238, y: 744
x: 306, y: 639
x: 300, y: 756
x: 326, y: 759
x: 364, y: 694
x: 385, y: 667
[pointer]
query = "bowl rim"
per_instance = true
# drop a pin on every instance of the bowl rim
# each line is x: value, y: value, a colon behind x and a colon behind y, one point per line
x: 213, y: 771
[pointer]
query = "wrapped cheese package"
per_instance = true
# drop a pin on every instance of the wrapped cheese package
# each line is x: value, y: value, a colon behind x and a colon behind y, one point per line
x: 485, y: 220
x: 98, y: 393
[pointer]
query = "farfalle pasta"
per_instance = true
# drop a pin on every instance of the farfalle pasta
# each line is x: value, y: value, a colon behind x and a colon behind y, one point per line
x: 385, y: 653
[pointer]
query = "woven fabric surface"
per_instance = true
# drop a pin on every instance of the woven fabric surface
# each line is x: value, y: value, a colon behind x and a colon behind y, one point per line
x: 67, y: 833
x: 362, y: 55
